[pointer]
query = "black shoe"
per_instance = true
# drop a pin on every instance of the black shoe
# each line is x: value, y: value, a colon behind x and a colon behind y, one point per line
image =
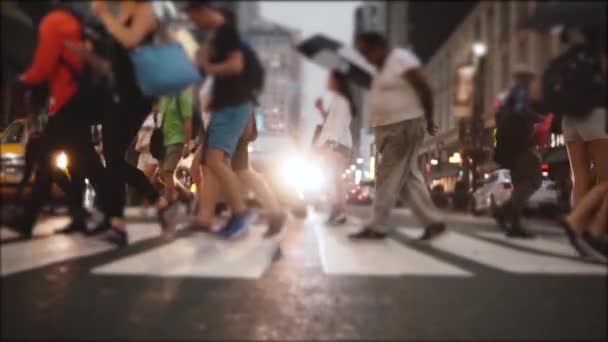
x: 275, y: 224
x: 501, y: 221
x: 596, y: 248
x: 520, y: 233
x: 367, y: 234
x: 103, y: 226
x: 432, y: 231
x: 77, y: 225
x: 573, y: 237
x: 115, y: 236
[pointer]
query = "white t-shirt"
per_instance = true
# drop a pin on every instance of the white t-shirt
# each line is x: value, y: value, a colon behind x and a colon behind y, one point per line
x: 392, y: 97
x: 337, y: 124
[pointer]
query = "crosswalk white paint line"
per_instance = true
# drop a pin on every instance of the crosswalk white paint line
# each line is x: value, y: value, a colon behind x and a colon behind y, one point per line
x: 201, y: 255
x: 342, y: 256
x: 44, y: 227
x: 27, y: 255
x: 509, y: 259
x: 31, y: 254
x: 558, y: 246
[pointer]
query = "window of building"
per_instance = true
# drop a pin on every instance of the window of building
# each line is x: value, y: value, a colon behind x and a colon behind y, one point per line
x: 505, y: 19
x: 522, y: 10
x: 504, y: 70
x: 522, y: 51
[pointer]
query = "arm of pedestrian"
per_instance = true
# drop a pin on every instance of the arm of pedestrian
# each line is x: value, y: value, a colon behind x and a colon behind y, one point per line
x: 423, y: 90
x: 46, y: 55
x: 233, y: 65
x: 144, y: 22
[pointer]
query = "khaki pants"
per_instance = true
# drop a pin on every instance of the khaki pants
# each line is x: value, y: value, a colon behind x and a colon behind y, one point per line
x: 398, y: 171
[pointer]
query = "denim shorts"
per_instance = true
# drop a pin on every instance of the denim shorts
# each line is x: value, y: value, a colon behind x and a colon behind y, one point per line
x: 226, y: 127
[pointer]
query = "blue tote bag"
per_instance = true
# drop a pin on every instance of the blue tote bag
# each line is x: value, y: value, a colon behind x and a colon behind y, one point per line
x: 163, y: 68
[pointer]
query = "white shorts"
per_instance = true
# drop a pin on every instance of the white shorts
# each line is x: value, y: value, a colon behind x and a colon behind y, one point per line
x: 588, y: 128
x: 146, y: 159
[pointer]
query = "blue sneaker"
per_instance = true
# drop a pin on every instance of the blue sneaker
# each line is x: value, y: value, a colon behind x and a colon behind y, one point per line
x: 238, y: 224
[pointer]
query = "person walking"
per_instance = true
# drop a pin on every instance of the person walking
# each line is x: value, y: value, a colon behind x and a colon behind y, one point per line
x: 335, y: 139
x: 176, y: 125
x: 225, y: 60
x: 516, y: 149
x: 134, y: 24
x: 574, y: 87
x: 69, y: 117
x: 402, y: 109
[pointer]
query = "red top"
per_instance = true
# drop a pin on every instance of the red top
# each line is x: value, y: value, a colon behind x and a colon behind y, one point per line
x: 55, y: 28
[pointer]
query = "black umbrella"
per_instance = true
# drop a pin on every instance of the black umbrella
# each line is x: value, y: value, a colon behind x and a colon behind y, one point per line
x: 334, y: 55
x: 586, y: 14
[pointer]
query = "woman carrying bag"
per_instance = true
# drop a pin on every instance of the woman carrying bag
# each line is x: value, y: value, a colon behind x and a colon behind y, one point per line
x: 134, y: 26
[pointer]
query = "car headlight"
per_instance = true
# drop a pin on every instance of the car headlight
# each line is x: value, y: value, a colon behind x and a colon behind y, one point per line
x: 62, y: 161
x: 302, y: 174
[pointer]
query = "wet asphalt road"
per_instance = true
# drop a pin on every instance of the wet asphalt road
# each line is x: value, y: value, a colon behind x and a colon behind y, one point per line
x: 310, y: 284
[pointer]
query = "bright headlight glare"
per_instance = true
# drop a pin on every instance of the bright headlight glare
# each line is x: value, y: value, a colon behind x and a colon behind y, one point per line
x: 302, y: 174
x: 61, y: 161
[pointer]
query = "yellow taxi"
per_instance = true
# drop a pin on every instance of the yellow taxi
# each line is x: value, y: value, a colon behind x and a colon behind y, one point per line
x: 12, y: 161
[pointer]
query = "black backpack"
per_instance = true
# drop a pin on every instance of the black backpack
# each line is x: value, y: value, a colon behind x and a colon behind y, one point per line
x: 255, y: 75
x: 97, y: 90
x: 573, y: 84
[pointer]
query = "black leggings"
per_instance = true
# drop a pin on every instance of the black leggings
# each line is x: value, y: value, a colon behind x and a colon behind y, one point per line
x: 120, y: 126
x: 67, y: 130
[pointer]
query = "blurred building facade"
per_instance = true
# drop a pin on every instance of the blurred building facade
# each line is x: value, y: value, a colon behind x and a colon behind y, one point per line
x: 495, y: 24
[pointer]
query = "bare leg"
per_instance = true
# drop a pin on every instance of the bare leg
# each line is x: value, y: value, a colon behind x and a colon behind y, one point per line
x: 598, y: 150
x: 579, y: 216
x: 208, y: 194
x: 597, y: 229
x: 221, y: 167
x: 256, y: 182
x: 579, y: 165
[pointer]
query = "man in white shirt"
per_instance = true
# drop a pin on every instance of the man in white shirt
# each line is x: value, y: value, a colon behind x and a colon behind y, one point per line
x: 402, y: 109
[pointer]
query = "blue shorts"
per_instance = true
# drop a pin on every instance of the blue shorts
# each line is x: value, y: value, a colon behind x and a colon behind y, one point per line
x: 226, y: 127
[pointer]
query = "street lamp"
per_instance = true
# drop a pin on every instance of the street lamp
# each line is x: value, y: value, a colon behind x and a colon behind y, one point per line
x: 479, y: 49
x: 434, y: 161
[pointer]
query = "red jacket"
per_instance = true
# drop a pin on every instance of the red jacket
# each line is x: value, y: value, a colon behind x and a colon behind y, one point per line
x: 56, y: 28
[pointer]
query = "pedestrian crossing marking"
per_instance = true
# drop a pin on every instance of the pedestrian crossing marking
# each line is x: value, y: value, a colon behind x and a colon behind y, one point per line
x: 558, y: 246
x: 508, y: 259
x: 341, y: 256
x: 201, y: 255
x: 27, y: 255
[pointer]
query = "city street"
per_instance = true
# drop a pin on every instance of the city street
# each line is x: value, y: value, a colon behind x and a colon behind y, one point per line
x: 311, y: 283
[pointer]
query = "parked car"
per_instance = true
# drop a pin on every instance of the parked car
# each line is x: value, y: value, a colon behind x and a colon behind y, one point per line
x: 497, y: 189
x: 493, y: 191
x: 545, y: 199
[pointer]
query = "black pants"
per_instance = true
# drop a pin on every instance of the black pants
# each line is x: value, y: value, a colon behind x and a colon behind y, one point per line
x: 526, y: 178
x: 68, y: 130
x: 120, y: 126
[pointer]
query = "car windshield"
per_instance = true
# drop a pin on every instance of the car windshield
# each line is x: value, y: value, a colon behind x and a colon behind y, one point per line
x: 13, y: 134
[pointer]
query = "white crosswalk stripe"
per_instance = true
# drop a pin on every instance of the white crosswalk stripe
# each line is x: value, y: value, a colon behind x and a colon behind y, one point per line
x: 204, y: 256
x: 339, y: 256
x: 512, y: 260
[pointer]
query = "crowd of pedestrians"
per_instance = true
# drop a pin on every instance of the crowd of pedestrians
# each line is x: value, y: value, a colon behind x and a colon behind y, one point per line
x: 401, y: 107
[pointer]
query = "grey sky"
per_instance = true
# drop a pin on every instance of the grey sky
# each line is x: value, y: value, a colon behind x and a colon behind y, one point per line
x: 333, y: 18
